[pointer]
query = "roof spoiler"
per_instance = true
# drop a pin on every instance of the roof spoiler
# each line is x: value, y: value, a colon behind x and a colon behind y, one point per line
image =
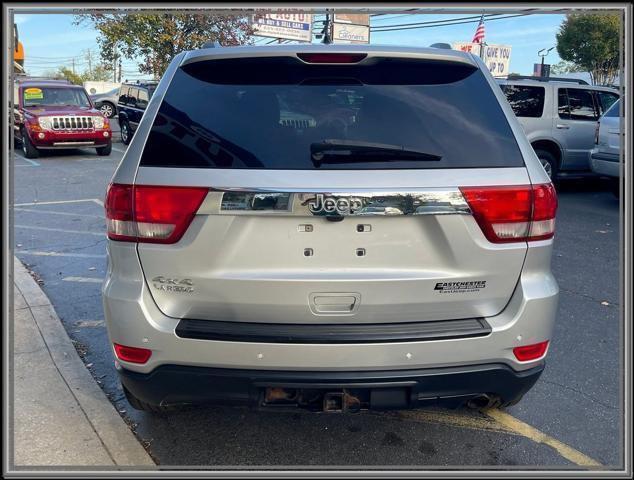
x: 444, y: 46
x: 214, y: 44
x: 547, y: 79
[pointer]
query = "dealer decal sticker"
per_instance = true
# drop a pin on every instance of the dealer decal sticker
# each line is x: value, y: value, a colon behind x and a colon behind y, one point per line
x: 33, y: 94
x: 460, y: 287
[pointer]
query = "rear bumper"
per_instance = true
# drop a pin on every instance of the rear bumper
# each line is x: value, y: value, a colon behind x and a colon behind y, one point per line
x: 177, y: 385
x: 133, y: 319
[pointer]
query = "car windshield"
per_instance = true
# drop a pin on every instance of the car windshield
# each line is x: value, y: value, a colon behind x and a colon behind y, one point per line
x: 55, y: 96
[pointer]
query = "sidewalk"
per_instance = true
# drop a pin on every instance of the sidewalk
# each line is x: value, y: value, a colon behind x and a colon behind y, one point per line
x: 60, y: 415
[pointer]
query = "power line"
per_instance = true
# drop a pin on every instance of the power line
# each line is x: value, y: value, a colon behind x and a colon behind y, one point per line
x: 430, y: 22
x: 390, y: 28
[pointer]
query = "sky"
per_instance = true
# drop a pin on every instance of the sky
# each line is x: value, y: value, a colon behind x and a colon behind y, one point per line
x: 52, y: 40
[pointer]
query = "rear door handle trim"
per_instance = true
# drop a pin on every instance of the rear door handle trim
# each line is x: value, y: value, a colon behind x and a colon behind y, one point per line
x: 564, y: 127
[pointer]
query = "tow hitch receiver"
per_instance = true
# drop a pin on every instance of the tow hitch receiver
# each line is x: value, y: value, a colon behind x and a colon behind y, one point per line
x: 342, y: 401
x: 333, y: 401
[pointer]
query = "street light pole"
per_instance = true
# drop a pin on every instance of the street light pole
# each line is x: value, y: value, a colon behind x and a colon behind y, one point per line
x: 541, y: 70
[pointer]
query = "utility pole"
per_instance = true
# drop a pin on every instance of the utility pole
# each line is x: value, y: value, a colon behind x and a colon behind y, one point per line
x: 114, y: 65
x: 89, y: 63
x: 119, y: 77
x: 327, y: 25
x: 73, y: 65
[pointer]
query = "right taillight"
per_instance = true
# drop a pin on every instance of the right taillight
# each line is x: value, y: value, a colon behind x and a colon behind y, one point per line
x: 151, y: 213
x: 513, y: 213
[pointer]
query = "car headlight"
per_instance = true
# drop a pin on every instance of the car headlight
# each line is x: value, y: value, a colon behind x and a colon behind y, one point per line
x: 97, y: 122
x: 46, y: 122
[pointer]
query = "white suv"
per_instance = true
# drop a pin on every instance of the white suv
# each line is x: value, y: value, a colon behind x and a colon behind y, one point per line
x: 558, y: 116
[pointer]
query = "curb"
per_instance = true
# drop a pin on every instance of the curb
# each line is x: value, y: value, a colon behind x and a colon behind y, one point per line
x: 119, y: 442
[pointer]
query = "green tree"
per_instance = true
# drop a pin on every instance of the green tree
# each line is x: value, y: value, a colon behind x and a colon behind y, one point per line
x: 565, y: 67
x: 591, y: 42
x: 100, y: 73
x: 156, y: 38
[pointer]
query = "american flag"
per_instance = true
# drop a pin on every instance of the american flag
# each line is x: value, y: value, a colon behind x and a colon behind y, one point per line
x: 479, y: 34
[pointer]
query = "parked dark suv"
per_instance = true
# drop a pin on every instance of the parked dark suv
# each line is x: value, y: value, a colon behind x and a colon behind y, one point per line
x: 133, y: 100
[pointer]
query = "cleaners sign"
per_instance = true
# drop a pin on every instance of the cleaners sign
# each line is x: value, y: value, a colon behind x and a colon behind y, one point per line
x: 496, y: 57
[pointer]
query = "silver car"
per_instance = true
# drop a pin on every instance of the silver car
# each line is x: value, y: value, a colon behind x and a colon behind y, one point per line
x: 558, y: 117
x: 251, y: 259
x: 605, y: 157
x: 107, y: 102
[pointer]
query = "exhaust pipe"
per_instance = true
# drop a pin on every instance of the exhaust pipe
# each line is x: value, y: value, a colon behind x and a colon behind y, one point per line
x: 483, y: 401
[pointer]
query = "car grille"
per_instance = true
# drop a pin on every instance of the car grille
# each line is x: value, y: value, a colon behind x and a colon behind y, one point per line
x: 72, y: 123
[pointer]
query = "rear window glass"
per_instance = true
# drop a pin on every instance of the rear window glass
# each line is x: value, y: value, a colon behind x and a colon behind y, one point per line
x: 614, y: 110
x: 577, y: 104
x: 526, y: 101
x: 280, y: 113
x: 606, y: 100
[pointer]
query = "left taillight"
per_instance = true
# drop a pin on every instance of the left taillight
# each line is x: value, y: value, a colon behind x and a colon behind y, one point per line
x: 513, y: 213
x: 151, y: 213
x: 132, y: 354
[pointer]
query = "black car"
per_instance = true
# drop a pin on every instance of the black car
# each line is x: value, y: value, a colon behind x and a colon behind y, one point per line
x: 133, y: 100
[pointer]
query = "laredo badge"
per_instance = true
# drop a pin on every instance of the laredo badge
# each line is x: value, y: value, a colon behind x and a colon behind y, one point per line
x: 460, y: 287
x: 180, y: 285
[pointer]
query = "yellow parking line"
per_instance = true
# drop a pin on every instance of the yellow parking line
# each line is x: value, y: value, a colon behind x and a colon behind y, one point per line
x: 474, y: 421
x: 525, y: 430
x: 495, y: 420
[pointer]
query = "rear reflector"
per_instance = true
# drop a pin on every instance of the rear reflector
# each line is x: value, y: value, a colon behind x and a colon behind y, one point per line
x: 513, y: 213
x: 132, y: 354
x: 151, y: 214
x: 530, y: 352
x: 332, y: 57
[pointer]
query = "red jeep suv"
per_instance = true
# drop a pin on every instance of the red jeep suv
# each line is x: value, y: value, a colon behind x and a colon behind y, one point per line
x: 53, y: 114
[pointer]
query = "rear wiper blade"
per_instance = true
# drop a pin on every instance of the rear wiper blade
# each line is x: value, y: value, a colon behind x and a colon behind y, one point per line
x: 351, y: 151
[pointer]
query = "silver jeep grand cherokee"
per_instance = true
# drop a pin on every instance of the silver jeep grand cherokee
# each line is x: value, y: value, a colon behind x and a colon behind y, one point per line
x: 329, y: 227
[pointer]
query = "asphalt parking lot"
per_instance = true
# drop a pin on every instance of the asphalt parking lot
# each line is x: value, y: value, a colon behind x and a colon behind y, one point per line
x: 571, y: 419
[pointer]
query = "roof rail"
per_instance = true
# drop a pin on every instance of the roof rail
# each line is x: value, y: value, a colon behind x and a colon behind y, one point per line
x: 445, y: 46
x: 214, y: 44
x: 26, y: 78
x: 139, y: 81
x: 547, y: 79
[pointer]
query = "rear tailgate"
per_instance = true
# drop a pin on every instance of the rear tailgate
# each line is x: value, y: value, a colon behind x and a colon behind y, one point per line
x: 402, y: 245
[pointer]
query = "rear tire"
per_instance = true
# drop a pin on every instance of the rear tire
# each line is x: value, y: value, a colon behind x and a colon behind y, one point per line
x: 549, y: 163
x: 144, y: 406
x: 28, y: 149
x: 104, y: 151
x: 126, y: 133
